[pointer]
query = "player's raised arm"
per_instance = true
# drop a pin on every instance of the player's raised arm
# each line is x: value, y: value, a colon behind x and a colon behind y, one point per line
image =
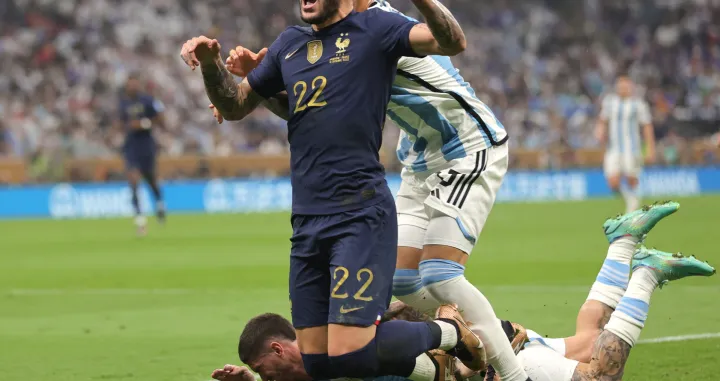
x: 241, y: 62
x: 232, y: 101
x: 440, y: 35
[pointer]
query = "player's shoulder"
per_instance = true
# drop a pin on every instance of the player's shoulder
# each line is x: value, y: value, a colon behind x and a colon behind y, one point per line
x: 292, y: 33
x: 383, y: 11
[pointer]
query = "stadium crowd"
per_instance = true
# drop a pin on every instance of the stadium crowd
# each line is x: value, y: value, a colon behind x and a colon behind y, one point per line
x: 541, y: 65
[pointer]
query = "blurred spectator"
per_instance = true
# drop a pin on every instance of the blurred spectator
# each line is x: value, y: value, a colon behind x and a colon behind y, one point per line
x: 541, y: 65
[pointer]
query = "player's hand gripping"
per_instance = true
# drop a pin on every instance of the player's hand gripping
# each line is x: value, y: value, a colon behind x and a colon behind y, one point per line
x: 199, y: 50
x: 233, y: 373
x: 242, y: 60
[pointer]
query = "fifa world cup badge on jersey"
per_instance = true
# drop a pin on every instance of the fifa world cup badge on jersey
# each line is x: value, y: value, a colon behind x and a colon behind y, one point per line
x: 314, y: 51
x: 342, y: 43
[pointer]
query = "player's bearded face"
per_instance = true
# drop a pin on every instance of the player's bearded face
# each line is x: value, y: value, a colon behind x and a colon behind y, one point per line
x: 318, y: 11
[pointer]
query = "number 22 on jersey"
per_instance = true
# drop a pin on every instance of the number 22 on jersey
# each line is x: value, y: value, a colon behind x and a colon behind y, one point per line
x: 300, y: 89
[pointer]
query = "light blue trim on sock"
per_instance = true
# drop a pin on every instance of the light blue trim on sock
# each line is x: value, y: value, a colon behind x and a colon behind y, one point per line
x: 406, y: 282
x: 634, y: 308
x: 438, y: 270
x: 614, y: 273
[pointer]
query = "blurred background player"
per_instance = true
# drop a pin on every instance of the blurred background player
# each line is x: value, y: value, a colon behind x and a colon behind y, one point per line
x: 139, y: 112
x: 621, y: 117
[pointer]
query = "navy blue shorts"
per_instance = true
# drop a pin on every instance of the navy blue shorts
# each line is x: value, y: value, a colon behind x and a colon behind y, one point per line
x: 342, y: 266
x: 139, y: 154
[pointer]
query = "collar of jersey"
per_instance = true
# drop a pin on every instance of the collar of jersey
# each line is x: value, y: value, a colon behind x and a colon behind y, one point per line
x: 330, y: 27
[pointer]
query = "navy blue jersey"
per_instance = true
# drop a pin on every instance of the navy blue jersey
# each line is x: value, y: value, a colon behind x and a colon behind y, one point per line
x: 136, y: 108
x: 338, y: 81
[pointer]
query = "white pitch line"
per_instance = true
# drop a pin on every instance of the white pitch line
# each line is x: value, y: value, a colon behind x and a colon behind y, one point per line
x: 670, y: 339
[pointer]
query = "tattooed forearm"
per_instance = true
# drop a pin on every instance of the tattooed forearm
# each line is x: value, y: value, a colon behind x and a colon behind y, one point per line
x: 608, y: 361
x: 442, y: 24
x: 220, y: 87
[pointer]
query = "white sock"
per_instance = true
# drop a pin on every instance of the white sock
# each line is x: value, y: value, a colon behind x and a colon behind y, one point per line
x: 449, y: 337
x: 408, y: 288
x: 140, y: 220
x: 558, y: 345
x: 629, y: 317
x: 424, y: 369
x: 632, y: 201
x: 446, y: 282
x: 612, y: 280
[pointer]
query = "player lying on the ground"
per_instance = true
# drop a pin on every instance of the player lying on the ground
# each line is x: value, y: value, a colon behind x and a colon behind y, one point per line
x: 610, y: 321
x: 272, y: 351
x: 268, y: 346
x: 338, y: 74
x: 455, y: 156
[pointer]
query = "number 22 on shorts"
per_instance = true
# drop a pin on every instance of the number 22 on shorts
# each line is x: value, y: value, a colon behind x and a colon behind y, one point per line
x: 363, y: 273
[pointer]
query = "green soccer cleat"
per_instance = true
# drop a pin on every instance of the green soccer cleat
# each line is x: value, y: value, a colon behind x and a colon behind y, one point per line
x: 670, y: 266
x: 638, y: 223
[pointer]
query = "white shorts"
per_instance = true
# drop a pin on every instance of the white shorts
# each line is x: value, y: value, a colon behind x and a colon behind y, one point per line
x: 622, y: 164
x: 544, y: 364
x: 465, y: 192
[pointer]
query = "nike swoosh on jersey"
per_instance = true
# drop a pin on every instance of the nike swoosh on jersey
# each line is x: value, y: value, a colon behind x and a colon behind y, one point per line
x: 291, y: 54
x: 344, y: 310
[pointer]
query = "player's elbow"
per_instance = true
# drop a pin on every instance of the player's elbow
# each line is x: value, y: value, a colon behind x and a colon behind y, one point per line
x: 233, y: 115
x: 457, y: 47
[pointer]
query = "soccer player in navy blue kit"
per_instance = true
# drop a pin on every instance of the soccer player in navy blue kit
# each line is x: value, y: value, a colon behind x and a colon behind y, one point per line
x: 338, y: 75
x: 139, y: 112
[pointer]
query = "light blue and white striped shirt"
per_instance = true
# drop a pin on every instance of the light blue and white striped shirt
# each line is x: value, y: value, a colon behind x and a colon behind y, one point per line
x: 624, y: 117
x: 440, y: 117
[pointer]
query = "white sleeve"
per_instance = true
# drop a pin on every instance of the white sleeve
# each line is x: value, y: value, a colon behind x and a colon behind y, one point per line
x: 644, y: 116
x: 404, y: 64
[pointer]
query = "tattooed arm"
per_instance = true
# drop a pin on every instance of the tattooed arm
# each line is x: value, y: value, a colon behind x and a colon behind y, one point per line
x: 440, y: 35
x: 608, y: 360
x: 233, y: 101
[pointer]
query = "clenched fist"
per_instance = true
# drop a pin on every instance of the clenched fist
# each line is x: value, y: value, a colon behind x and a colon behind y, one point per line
x: 200, y: 50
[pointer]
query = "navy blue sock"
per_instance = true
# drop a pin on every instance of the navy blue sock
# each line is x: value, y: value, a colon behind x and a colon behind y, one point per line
x: 135, y: 199
x: 154, y: 187
x: 318, y: 366
x: 392, y: 352
x: 400, y: 339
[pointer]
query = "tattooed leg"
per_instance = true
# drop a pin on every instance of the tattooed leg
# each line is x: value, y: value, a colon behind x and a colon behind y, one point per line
x: 608, y: 360
x: 605, y: 294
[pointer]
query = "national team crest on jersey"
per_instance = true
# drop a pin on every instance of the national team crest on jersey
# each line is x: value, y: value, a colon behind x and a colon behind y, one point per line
x: 315, y: 51
x: 342, y: 43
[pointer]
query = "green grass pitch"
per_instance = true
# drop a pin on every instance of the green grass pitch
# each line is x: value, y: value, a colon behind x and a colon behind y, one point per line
x: 87, y: 300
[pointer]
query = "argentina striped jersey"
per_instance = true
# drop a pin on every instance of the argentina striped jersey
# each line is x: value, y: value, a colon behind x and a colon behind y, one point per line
x: 624, y: 117
x: 440, y: 117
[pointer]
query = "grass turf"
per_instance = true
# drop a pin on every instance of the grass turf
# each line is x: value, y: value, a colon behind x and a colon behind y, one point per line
x: 87, y: 300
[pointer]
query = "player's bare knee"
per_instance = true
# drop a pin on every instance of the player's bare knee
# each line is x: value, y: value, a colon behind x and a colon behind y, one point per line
x: 614, y: 183
x: 344, y: 339
x: 133, y: 177
x: 443, y: 252
x: 632, y: 182
x: 408, y: 257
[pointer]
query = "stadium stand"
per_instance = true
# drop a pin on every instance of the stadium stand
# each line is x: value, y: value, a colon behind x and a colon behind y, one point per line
x: 541, y: 65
